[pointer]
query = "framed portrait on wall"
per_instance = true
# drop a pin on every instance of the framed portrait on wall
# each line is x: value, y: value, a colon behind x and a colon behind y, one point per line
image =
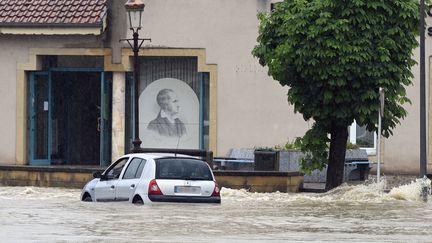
x: 169, y: 115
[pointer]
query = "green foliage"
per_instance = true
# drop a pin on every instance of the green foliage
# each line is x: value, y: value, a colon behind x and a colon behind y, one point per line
x: 334, y: 55
x: 265, y: 148
x: 314, y: 146
x: 352, y: 146
x: 289, y: 145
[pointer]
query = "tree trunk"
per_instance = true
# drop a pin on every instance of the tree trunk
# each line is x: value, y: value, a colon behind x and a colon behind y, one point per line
x: 335, y: 170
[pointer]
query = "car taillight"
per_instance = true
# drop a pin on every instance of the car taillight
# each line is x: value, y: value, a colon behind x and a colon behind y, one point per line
x: 216, y: 191
x: 154, y: 188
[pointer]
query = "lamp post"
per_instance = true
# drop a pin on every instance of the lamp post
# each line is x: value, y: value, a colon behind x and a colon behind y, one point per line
x: 134, y: 9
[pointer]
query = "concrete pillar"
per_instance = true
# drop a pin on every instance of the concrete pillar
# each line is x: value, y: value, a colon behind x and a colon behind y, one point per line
x: 118, y: 115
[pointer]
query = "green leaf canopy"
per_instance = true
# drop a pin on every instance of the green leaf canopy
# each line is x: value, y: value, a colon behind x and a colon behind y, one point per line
x: 335, y: 54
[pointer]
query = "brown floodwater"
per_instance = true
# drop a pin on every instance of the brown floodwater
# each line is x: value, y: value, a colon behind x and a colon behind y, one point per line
x: 361, y: 213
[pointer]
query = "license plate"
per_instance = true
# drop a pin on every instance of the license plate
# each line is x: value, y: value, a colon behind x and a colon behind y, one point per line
x: 187, y: 189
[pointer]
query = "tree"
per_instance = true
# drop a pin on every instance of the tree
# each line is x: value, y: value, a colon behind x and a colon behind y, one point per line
x: 334, y: 55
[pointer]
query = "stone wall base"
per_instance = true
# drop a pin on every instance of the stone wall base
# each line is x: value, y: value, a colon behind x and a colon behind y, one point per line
x: 76, y: 177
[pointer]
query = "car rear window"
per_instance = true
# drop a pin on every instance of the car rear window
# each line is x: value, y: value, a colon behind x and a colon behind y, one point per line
x: 182, y: 169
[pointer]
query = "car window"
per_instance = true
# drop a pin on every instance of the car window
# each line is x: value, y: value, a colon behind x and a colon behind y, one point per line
x: 140, y: 169
x: 115, y: 170
x: 134, y: 169
x: 182, y: 168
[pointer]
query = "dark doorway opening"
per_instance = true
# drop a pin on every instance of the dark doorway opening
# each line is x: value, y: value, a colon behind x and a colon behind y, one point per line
x: 76, y: 124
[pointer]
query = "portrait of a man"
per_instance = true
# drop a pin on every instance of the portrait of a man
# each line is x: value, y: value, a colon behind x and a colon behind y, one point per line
x: 167, y: 123
x: 169, y: 115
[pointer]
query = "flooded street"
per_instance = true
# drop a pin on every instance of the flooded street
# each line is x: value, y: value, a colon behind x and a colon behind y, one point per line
x: 349, y: 213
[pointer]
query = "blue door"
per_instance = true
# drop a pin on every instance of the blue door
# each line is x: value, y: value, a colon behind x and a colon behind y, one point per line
x: 39, y: 109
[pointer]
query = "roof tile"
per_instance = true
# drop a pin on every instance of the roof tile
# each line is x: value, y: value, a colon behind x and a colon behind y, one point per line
x: 52, y: 11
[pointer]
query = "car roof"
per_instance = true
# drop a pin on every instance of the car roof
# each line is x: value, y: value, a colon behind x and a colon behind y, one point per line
x: 158, y: 155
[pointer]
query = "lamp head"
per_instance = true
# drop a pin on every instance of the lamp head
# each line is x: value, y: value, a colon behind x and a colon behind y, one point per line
x: 135, y: 8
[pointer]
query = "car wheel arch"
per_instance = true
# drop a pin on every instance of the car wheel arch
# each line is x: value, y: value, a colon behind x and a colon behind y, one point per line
x: 86, y: 197
x: 137, y: 199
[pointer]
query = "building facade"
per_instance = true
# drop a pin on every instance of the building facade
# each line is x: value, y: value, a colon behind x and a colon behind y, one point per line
x: 66, y: 84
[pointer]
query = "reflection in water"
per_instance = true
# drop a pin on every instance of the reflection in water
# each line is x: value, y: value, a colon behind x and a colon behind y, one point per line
x: 361, y: 213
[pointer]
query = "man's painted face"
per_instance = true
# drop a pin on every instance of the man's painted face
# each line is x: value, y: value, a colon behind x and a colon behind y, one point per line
x: 172, y: 104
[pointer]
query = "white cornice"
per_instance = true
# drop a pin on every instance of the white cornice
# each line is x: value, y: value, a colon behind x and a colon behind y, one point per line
x: 50, y: 31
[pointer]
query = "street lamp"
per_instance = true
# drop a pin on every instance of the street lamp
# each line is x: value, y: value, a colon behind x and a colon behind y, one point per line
x: 134, y: 9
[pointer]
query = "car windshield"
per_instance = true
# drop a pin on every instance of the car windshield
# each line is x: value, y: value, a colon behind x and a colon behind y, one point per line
x: 182, y: 169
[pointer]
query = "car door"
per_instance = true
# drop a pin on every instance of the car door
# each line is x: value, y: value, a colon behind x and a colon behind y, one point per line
x: 105, y: 188
x: 126, y: 186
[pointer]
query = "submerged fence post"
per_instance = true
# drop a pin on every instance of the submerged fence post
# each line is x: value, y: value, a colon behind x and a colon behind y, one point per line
x: 425, y: 193
x: 426, y: 188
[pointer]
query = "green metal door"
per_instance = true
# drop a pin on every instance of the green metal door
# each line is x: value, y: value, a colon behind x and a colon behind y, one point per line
x: 39, y: 113
x: 105, y: 118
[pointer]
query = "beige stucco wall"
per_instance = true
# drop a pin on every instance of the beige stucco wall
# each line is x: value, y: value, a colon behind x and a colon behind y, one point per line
x: 7, y: 104
x: 251, y: 108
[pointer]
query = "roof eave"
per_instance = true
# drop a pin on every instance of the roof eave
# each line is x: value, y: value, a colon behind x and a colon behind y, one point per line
x: 69, y: 30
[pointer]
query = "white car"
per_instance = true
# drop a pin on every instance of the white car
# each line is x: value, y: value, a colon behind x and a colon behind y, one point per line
x: 147, y: 178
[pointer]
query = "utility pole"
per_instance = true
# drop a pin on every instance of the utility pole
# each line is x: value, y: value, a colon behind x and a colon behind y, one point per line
x: 423, y: 159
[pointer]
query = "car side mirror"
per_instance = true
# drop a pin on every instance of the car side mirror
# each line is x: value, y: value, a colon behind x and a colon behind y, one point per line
x: 97, y: 174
